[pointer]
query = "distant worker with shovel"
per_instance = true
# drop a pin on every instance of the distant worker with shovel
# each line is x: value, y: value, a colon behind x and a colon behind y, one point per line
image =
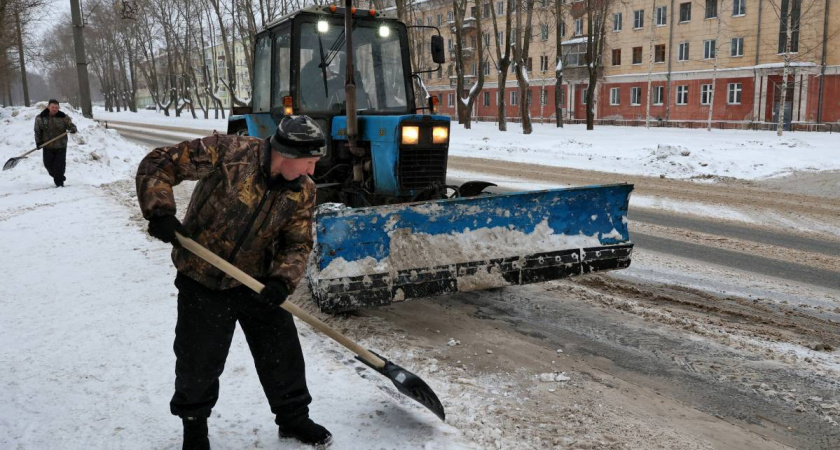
x: 254, y: 206
x: 50, y: 124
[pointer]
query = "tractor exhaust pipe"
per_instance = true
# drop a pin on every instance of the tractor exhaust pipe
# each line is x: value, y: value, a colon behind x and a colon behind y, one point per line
x: 350, y: 83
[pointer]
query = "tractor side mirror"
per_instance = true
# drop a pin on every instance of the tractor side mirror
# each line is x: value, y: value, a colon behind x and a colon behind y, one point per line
x: 438, y: 55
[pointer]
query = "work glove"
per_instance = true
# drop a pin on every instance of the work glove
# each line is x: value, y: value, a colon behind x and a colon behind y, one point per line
x: 164, y: 228
x: 274, y: 293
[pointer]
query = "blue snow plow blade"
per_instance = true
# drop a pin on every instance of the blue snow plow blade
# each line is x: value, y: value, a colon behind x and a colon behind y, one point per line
x: 377, y: 255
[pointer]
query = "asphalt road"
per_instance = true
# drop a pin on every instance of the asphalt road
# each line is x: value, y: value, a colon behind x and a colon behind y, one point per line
x: 721, y: 257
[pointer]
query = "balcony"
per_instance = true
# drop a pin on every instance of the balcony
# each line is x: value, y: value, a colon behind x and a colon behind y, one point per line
x: 468, y: 24
x: 467, y: 51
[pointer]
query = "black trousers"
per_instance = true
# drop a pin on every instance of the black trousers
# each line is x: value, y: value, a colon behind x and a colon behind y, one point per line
x: 206, y: 321
x: 55, y: 161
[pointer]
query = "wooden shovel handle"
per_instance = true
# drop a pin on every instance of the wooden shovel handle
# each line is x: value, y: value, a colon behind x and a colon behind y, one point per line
x: 43, y: 145
x: 249, y: 281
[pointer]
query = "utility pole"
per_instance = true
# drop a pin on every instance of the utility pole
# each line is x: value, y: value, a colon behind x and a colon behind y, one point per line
x: 81, y: 60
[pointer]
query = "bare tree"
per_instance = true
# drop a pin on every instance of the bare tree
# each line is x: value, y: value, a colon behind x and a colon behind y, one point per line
x: 596, y: 20
x: 798, y: 18
x: 465, y: 105
x: 522, y: 63
x: 503, y: 57
x: 559, y: 13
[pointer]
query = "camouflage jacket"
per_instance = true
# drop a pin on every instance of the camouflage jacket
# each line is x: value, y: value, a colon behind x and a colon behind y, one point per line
x: 235, y: 210
x: 48, y: 127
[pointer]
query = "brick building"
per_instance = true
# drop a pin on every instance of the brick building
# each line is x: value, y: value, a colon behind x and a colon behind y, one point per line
x: 688, y: 54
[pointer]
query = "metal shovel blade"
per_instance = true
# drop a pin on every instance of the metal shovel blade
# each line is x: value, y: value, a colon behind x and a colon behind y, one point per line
x: 11, y: 163
x: 410, y: 385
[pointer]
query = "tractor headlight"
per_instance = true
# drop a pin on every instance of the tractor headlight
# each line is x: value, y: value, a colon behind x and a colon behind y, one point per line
x: 410, y: 135
x: 323, y: 26
x: 384, y: 31
x: 440, y: 135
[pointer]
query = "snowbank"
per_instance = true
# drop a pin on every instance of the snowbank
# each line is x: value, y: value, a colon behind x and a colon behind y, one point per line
x: 95, y: 155
x: 675, y: 153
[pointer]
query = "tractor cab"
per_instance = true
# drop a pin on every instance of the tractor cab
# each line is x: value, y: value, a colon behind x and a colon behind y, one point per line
x: 301, y: 67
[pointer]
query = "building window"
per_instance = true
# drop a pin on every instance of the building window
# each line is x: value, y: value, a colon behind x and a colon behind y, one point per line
x: 636, y: 96
x: 486, y: 37
x: 486, y: 67
x: 734, y: 97
x: 450, y: 100
x: 682, y: 95
x: 450, y: 17
x: 486, y: 99
x: 709, y: 49
x: 685, y: 12
x: 513, y: 98
x: 544, y: 32
x: 615, y: 94
x: 616, y: 57
x: 578, y: 27
x: 439, y: 19
x: 658, y: 94
x: 429, y: 21
x: 501, y: 39
x: 711, y: 9
x: 617, y: 22
x: 583, y: 95
x: 659, y: 53
x: 543, y: 97
x: 500, y: 8
x: 439, y: 72
x: 638, y: 19
x: 485, y: 10
x: 637, y: 55
x: 661, y: 16
x: 683, y: 53
x: 575, y: 56
x: 736, y: 47
x: 739, y: 7
x: 562, y: 28
x: 795, y: 11
x: 706, y: 94
x: 543, y: 63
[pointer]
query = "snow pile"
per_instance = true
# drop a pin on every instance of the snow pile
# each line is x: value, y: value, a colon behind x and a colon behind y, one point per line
x: 672, y: 152
x: 95, y: 155
x: 409, y: 250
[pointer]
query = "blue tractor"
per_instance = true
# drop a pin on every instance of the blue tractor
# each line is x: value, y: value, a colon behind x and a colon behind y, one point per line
x: 390, y: 228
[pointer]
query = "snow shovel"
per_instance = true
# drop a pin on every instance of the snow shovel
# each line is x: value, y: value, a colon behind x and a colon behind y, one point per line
x: 405, y: 381
x: 12, y: 162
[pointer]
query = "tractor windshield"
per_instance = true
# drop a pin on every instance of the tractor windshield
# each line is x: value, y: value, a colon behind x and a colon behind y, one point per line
x: 380, y: 79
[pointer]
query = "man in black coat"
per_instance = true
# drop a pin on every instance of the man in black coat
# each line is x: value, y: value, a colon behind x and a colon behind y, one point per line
x: 49, y: 124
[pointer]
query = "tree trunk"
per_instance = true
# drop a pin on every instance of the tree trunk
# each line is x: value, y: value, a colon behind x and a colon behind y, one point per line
x: 780, y: 120
x: 22, y: 60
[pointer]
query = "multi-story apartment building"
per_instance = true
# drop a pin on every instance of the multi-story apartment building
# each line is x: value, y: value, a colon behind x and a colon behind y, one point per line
x: 211, y: 59
x: 687, y: 53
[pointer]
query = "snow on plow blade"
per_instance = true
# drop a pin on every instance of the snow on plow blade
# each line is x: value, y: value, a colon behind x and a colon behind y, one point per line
x: 377, y: 255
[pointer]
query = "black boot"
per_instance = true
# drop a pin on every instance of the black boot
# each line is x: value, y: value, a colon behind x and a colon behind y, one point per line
x: 306, y: 431
x: 195, y: 434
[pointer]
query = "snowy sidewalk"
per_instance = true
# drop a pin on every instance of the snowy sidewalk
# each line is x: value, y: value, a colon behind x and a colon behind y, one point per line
x: 87, y: 313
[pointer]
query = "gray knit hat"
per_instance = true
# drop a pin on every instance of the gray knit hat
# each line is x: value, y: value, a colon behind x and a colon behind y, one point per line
x: 298, y: 137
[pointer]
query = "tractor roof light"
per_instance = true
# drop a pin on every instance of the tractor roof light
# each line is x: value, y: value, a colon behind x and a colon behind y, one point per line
x: 333, y: 8
x: 410, y: 135
x: 287, y: 105
x: 440, y: 135
x: 372, y: 12
x: 323, y: 26
x: 384, y: 31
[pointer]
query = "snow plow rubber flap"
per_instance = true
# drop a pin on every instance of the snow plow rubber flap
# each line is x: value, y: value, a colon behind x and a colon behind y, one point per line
x: 377, y: 255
